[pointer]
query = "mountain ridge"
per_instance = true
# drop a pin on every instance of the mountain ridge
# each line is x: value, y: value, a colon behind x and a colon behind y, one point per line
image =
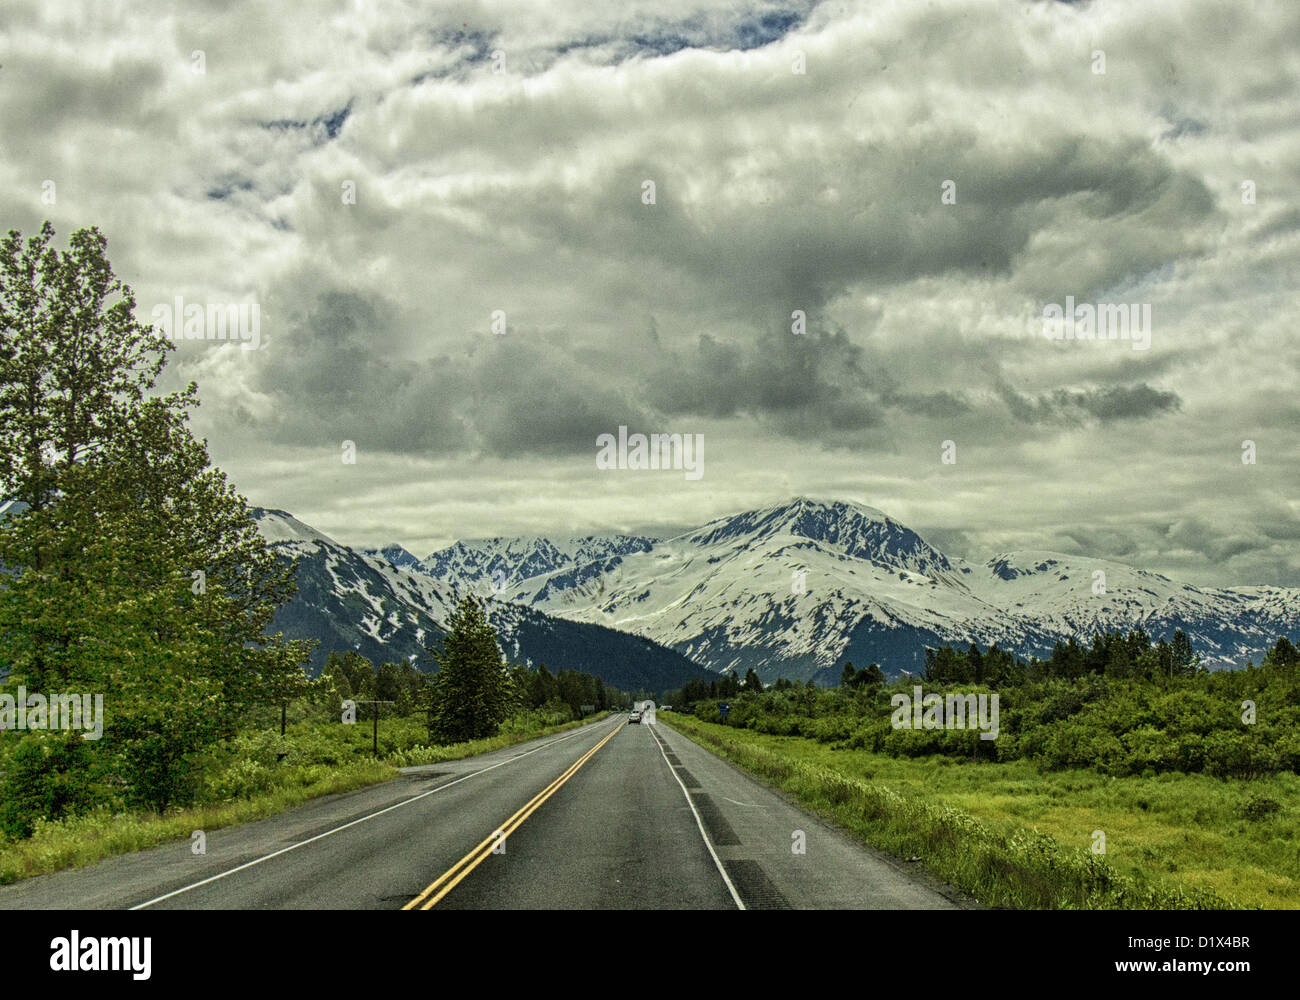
x: 728, y: 592
x: 358, y: 599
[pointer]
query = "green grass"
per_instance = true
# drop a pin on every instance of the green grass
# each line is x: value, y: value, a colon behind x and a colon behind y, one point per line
x: 88, y: 839
x: 1014, y: 837
x: 403, y: 741
x: 324, y: 759
x: 509, y: 736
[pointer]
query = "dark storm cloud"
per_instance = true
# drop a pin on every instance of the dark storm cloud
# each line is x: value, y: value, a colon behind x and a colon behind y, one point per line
x: 1075, y: 406
x: 814, y: 385
x: 797, y: 247
x: 537, y: 399
x: 1125, y: 402
x: 332, y: 379
x: 50, y: 101
x: 805, y: 384
x: 1285, y: 222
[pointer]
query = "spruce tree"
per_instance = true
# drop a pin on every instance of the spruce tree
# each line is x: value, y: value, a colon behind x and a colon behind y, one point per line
x: 1183, y: 657
x: 472, y: 691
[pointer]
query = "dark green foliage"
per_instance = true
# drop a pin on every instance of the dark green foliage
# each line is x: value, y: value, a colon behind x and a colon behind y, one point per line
x: 161, y: 750
x: 947, y: 665
x: 872, y: 676
x: 1259, y: 807
x: 1282, y: 658
x: 1122, y: 705
x: 351, y: 676
x: 566, y: 692
x: 47, y: 777
x: 696, y: 690
x: 472, y: 690
x: 134, y: 570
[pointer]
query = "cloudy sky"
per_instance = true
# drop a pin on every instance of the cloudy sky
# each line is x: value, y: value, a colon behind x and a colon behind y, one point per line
x: 381, y: 178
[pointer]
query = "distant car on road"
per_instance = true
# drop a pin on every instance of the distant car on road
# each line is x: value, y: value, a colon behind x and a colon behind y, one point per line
x: 634, y: 717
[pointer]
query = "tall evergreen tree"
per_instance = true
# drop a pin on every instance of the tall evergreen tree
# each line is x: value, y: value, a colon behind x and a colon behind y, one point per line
x: 1282, y: 657
x: 1184, y: 661
x: 472, y: 691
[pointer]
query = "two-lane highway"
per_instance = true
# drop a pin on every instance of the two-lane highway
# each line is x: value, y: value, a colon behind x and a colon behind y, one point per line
x: 609, y: 816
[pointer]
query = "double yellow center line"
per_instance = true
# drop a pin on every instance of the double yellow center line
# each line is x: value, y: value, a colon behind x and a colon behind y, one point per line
x: 453, y: 876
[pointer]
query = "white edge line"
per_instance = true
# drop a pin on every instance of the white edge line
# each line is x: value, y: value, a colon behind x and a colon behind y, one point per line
x: 740, y: 903
x: 362, y: 819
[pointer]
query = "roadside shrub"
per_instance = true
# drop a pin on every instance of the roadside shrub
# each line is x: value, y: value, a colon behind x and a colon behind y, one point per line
x: 829, y: 729
x: 242, y: 779
x: 47, y: 776
x: 1259, y: 807
x: 1112, y: 725
x: 1147, y: 749
x: 1238, y: 755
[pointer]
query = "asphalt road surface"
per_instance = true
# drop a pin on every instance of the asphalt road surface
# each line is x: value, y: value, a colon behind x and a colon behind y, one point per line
x: 609, y: 816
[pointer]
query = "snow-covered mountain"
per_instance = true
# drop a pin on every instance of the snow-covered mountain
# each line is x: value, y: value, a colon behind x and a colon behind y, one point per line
x: 380, y: 604
x: 394, y: 555
x: 796, y: 588
x: 510, y: 561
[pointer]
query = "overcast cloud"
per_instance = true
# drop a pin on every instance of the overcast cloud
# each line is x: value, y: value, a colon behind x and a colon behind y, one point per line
x: 498, y: 154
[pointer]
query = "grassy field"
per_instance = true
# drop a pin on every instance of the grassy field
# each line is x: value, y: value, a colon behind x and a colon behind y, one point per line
x: 322, y: 759
x: 1014, y: 837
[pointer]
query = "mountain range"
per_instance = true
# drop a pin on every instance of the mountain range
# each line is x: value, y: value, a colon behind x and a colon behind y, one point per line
x: 385, y: 608
x: 791, y: 590
x: 795, y: 589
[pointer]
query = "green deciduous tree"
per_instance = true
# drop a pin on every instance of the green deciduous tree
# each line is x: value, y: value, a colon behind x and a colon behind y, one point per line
x: 136, y: 569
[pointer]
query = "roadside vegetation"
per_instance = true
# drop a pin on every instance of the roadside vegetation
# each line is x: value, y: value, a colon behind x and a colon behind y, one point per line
x: 254, y: 787
x: 1122, y: 706
x: 262, y: 771
x: 281, y: 756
